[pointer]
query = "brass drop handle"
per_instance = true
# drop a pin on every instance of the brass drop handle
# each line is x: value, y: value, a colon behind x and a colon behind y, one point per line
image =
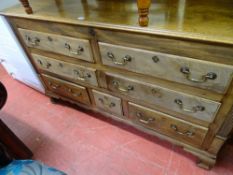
x: 144, y: 121
x: 107, y: 104
x: 73, y: 93
x: 81, y: 75
x: 78, y: 51
x: 186, y: 133
x: 192, y: 110
x: 122, y: 89
x: 54, y: 86
x: 123, y: 61
x: 32, y: 42
x: 202, y: 79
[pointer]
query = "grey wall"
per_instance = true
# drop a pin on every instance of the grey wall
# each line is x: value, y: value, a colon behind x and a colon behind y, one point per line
x: 7, y: 3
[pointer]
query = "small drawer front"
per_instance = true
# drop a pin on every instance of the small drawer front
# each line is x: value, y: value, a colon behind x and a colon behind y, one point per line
x: 184, y: 70
x: 189, y: 105
x: 67, y: 89
x: 167, y: 125
x: 78, y: 48
x: 72, y: 71
x: 108, y: 102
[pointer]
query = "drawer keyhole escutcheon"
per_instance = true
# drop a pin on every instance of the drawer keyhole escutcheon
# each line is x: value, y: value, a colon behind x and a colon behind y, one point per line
x: 186, y: 133
x: 32, y: 42
x: 202, y: 79
x: 116, y: 84
x: 156, y: 92
x: 123, y: 60
x: 155, y: 59
x: 106, y: 104
x: 143, y: 120
x: 192, y: 110
x: 50, y: 39
x: 78, y: 51
x: 81, y: 75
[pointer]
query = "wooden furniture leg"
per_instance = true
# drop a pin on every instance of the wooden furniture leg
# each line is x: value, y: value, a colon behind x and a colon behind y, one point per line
x: 15, y: 146
x: 206, y: 164
x: 26, y: 6
x: 53, y: 100
x: 143, y: 10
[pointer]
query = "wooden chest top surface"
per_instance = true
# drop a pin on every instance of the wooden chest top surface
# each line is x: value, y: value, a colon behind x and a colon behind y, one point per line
x: 209, y: 20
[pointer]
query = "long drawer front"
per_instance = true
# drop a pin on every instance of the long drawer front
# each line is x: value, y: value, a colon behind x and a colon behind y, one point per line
x: 191, y: 106
x: 66, y: 89
x: 73, y: 47
x: 72, y: 71
x: 167, y: 125
x: 184, y: 70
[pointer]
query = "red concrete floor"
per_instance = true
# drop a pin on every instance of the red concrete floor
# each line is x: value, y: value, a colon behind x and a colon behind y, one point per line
x: 82, y: 143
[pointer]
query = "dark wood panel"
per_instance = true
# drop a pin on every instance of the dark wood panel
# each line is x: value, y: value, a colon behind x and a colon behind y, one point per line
x: 15, y: 146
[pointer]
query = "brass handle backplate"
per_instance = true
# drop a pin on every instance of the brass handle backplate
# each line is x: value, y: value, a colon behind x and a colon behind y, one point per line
x: 116, y: 84
x: 202, y: 79
x: 106, y: 104
x: 81, y: 75
x: 192, y: 110
x: 78, y: 51
x: 33, y: 42
x: 185, y: 133
x: 75, y: 94
x: 48, y: 65
x: 40, y: 62
x: 123, y: 60
x: 144, y: 121
x: 54, y: 86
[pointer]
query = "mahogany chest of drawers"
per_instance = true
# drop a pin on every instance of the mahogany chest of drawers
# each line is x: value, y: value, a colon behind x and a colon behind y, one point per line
x: 175, y: 85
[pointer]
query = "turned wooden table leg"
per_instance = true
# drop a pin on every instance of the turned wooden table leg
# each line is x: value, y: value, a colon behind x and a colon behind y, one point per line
x: 143, y: 10
x: 27, y: 6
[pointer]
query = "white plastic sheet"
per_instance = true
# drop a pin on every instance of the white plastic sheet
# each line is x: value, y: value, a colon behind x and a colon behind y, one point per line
x: 16, y: 61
